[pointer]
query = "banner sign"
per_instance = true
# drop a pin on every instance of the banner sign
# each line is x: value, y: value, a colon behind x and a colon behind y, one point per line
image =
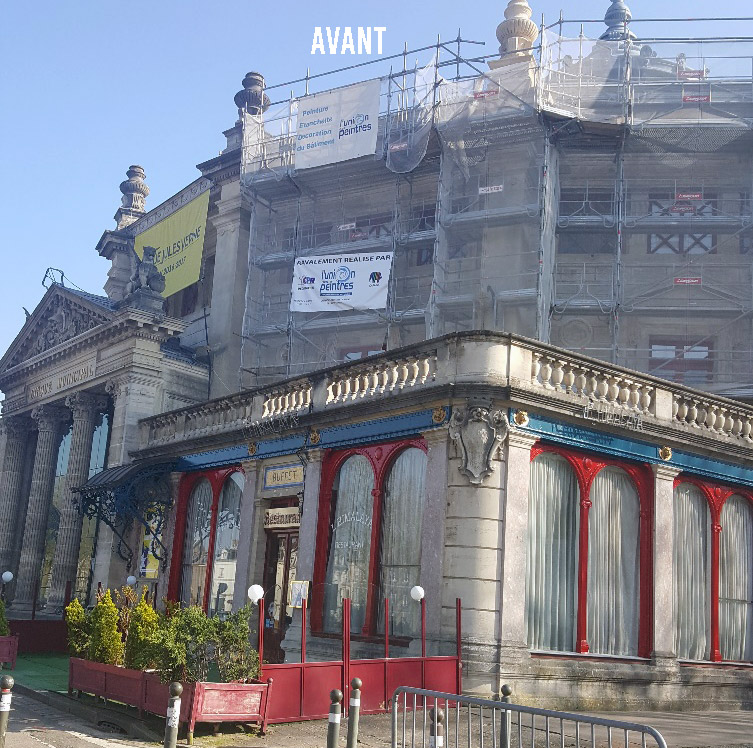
x: 330, y: 283
x: 337, y: 125
x: 282, y: 518
x: 688, y: 281
x: 179, y: 241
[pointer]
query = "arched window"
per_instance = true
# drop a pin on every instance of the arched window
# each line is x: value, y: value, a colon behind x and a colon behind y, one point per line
x: 196, y: 543
x: 402, y: 515
x: 552, y: 554
x: 613, y: 564
x: 350, y: 545
x: 369, y: 538
x: 736, y: 580
x: 587, y: 553
x: 692, y: 524
x: 225, y: 551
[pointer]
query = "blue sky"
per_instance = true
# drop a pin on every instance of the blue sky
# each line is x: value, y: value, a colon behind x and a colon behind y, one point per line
x: 89, y: 88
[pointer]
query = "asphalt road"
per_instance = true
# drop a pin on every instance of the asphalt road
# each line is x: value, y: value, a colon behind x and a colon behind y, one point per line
x: 33, y: 724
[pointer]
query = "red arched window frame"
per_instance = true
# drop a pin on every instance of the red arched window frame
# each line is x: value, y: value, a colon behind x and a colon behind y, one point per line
x: 381, y: 457
x: 586, y: 467
x: 186, y: 486
x: 716, y: 495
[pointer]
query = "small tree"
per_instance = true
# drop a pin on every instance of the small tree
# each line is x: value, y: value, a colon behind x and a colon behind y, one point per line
x: 4, y: 628
x: 142, y: 632
x: 106, y: 641
x: 183, y: 644
x: 79, y: 629
x: 237, y: 660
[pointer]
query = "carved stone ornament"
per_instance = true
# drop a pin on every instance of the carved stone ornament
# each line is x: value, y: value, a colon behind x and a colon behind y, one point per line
x: 478, y: 431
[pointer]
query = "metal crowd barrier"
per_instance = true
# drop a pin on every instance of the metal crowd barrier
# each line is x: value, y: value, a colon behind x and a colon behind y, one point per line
x: 429, y: 719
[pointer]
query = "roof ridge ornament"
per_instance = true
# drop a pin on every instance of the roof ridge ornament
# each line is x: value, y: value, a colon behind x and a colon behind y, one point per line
x: 133, y: 202
x: 617, y: 18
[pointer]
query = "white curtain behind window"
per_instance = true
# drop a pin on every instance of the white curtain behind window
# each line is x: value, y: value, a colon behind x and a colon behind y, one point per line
x: 404, y: 498
x: 736, y: 580
x: 196, y: 544
x: 226, y: 538
x: 692, y: 521
x: 613, y: 557
x: 350, y: 548
x: 552, y: 555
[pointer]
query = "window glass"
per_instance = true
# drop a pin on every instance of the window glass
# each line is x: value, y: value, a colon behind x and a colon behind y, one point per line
x: 402, y: 514
x: 552, y: 554
x: 227, y: 536
x: 350, y: 545
x: 736, y: 580
x: 692, y: 521
x: 613, y: 557
x: 196, y: 544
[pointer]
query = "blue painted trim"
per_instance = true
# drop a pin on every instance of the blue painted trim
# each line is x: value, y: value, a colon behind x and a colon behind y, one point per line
x: 633, y: 449
x: 351, y: 434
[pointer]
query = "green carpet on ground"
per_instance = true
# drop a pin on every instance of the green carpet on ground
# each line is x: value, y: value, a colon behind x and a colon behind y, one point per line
x: 42, y: 672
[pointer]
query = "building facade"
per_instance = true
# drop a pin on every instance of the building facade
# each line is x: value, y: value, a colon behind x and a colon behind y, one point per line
x: 571, y: 479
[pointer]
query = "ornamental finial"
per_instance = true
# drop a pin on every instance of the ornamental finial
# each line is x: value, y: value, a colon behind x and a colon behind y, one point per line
x: 517, y: 31
x: 617, y: 18
x: 133, y: 202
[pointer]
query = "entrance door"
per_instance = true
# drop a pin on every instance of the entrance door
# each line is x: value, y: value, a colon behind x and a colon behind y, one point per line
x: 279, y: 572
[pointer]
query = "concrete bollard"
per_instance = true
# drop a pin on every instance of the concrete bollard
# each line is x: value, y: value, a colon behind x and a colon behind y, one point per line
x: 335, y: 709
x: 172, y: 720
x: 6, y: 684
x: 506, y: 728
x: 436, y: 728
x: 355, y: 708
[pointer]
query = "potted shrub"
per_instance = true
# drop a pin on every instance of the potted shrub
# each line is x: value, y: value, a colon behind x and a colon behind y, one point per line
x: 8, y: 641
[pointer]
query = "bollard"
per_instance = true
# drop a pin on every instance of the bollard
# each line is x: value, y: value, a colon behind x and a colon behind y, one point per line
x: 506, y: 727
x: 333, y: 729
x: 355, y: 708
x: 172, y: 719
x: 6, y: 684
x: 436, y: 728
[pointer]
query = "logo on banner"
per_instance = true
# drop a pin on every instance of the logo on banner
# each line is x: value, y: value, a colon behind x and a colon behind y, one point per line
x: 375, y: 279
x: 337, y: 282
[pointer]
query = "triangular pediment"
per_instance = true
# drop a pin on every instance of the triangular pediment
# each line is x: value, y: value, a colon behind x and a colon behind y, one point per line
x: 61, y: 315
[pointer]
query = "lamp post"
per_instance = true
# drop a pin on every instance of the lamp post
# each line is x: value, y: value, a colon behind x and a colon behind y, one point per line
x: 417, y: 593
x: 7, y: 578
x: 256, y: 596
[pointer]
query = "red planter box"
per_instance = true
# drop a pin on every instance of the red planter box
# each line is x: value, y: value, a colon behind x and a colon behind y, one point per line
x: 200, y: 702
x: 9, y: 650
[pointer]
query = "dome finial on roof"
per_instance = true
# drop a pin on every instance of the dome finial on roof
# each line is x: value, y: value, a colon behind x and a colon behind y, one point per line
x: 517, y: 31
x: 134, y: 197
x: 617, y: 18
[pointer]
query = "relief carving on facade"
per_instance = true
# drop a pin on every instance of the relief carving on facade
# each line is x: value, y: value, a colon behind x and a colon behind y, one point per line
x: 478, y: 431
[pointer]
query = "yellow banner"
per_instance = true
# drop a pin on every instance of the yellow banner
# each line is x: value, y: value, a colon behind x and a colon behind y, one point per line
x: 179, y: 241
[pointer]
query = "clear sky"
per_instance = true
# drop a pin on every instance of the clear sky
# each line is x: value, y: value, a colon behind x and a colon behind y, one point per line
x: 89, y: 88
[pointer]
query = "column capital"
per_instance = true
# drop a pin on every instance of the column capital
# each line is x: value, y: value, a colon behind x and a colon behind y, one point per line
x: 433, y: 437
x: 85, y: 405
x: 50, y: 417
x: 665, y: 472
x: 16, y: 427
x: 249, y: 466
x: 313, y: 455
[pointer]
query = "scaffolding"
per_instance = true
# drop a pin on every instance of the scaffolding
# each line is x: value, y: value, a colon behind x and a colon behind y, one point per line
x: 592, y: 194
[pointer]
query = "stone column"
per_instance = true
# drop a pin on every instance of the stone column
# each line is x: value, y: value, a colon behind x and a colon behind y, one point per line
x: 17, y: 430
x: 306, y: 550
x: 50, y: 420
x: 512, y: 629
x: 432, y: 533
x: 86, y: 411
x: 243, y: 569
x: 663, y: 648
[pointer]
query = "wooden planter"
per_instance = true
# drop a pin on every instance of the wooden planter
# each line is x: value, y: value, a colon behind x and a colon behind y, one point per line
x: 9, y: 650
x: 200, y: 702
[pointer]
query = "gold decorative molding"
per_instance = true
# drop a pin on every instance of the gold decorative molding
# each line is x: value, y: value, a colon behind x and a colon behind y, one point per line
x: 665, y: 453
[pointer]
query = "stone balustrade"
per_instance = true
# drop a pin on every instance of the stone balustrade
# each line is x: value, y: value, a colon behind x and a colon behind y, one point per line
x: 381, y: 376
x: 540, y: 377
x: 571, y: 376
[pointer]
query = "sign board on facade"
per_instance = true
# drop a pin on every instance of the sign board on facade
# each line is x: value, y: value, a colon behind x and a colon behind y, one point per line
x: 337, y: 125
x: 330, y: 283
x: 689, y: 196
x: 283, y: 518
x: 684, y: 74
x: 688, y: 281
x: 490, y: 189
x: 61, y: 381
x: 179, y: 241
x: 283, y: 476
